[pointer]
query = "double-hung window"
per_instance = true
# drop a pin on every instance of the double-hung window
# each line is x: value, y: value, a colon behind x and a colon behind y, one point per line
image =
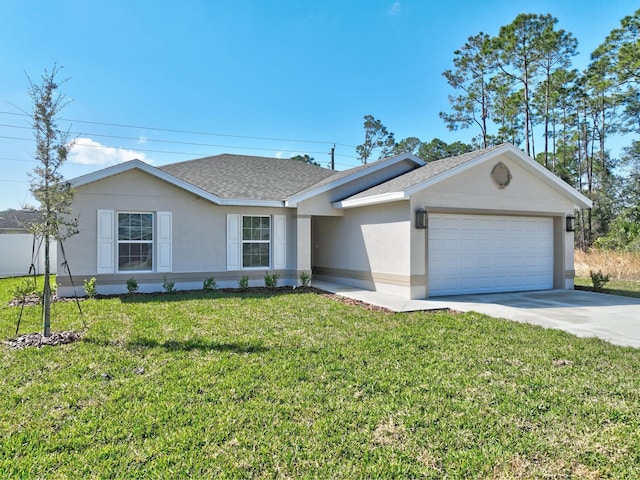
x: 256, y: 241
x: 135, y: 242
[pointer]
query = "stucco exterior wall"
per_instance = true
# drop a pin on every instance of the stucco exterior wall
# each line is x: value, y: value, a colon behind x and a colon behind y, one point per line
x: 475, y: 190
x: 198, y: 233
x: 367, y: 247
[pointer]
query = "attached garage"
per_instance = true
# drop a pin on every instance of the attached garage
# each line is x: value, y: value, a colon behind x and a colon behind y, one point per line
x: 488, y: 221
x: 489, y: 253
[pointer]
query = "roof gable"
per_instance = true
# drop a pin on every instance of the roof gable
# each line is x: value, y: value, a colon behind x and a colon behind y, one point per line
x: 402, y: 187
x: 343, y: 177
x: 145, y: 167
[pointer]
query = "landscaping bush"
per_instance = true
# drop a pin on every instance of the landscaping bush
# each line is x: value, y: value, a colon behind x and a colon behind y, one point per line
x: 271, y: 280
x: 209, y: 284
x: 90, y: 287
x: 132, y: 286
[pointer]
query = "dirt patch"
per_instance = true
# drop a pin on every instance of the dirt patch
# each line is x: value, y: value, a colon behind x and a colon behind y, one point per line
x: 38, y: 340
x: 357, y: 303
x: 33, y: 299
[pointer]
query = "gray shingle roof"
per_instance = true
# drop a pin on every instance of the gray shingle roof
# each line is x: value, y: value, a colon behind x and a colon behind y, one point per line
x: 337, y: 175
x: 17, y: 219
x: 419, y: 175
x: 247, y: 177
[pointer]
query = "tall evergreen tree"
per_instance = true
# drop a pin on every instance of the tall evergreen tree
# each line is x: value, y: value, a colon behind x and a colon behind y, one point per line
x: 376, y: 136
x: 474, y: 65
x: 522, y: 46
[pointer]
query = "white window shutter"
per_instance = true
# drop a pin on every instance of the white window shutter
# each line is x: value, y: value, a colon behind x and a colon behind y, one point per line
x: 279, y: 242
x: 234, y: 243
x: 106, y: 238
x: 163, y: 242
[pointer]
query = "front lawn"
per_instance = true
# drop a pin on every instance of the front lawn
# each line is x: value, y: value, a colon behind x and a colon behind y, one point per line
x: 219, y: 385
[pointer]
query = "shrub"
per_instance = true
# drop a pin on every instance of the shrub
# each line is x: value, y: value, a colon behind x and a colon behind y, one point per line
x: 90, y: 287
x: 305, y: 279
x: 599, y: 280
x: 132, y: 286
x: 271, y: 281
x: 24, y: 289
x: 243, y: 283
x: 169, y: 286
x: 209, y: 284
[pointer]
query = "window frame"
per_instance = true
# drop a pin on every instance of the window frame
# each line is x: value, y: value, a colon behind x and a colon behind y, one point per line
x: 244, y: 242
x: 152, y: 242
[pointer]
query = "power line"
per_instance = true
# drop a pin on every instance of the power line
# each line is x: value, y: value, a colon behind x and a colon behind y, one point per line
x: 246, y: 137
x: 148, y: 150
x: 176, y: 142
x: 14, y: 181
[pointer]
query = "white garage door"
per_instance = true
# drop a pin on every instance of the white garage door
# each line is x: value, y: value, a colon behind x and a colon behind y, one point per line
x: 487, y: 253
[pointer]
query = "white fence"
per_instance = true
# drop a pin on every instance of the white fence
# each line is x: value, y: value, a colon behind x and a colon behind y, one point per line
x: 15, y: 255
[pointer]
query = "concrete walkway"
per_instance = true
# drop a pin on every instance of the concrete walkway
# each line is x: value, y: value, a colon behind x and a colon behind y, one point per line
x: 612, y: 318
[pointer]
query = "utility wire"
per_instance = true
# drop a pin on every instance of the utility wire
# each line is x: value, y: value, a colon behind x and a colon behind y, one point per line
x: 189, y: 131
x: 176, y: 142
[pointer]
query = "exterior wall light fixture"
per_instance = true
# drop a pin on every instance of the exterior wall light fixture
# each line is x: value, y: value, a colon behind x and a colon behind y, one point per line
x: 422, y: 218
x: 571, y: 223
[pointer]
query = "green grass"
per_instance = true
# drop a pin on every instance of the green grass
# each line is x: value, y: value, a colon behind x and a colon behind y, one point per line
x: 627, y: 288
x: 301, y: 386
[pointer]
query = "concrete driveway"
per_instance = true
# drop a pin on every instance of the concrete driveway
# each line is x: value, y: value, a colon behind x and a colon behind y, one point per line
x: 612, y: 318
x: 585, y: 314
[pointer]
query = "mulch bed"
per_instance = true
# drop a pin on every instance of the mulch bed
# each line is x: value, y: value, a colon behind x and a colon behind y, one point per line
x: 34, y: 299
x: 38, y: 340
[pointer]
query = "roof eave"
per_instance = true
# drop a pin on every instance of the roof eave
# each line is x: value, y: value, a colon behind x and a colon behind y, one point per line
x: 252, y: 203
x: 297, y: 198
x: 371, y: 200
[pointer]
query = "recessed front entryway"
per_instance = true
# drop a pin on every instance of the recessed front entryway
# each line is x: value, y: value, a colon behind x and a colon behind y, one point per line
x: 489, y: 253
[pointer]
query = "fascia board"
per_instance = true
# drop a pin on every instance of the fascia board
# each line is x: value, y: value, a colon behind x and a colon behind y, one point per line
x: 295, y: 199
x: 252, y: 203
x: 372, y: 200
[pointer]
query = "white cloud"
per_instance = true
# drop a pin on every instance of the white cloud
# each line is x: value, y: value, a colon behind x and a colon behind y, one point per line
x: 395, y: 8
x: 89, y: 152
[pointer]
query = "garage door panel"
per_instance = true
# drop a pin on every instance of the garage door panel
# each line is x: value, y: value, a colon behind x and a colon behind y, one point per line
x: 488, y: 253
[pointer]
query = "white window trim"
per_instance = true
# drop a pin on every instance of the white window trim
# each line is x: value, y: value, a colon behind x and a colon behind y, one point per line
x: 269, y: 242
x: 153, y: 242
x: 277, y: 249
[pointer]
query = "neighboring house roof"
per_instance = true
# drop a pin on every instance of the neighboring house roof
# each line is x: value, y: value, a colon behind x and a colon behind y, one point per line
x: 403, y: 186
x: 17, y: 221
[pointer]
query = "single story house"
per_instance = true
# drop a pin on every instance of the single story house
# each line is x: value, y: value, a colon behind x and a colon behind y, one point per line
x: 492, y: 220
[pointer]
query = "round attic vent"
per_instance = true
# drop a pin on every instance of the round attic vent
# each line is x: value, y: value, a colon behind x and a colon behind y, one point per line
x: 501, y: 175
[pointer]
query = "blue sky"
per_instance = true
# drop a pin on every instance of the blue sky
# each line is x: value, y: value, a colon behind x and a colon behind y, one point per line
x: 170, y: 81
